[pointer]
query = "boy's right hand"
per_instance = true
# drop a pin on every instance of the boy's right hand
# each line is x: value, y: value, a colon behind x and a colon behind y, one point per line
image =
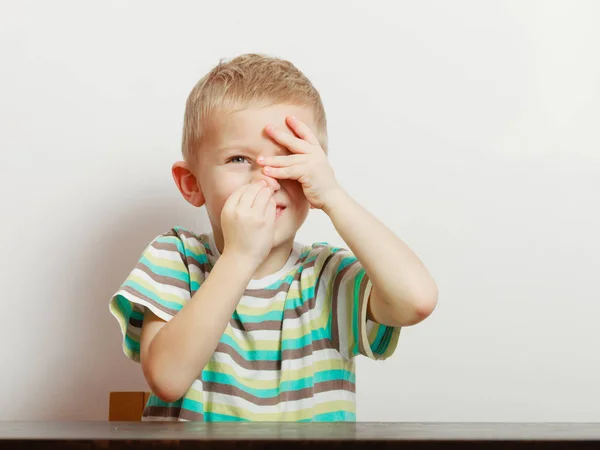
x: 248, y: 222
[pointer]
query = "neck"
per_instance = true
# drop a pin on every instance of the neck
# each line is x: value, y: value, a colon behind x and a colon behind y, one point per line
x: 272, y: 263
x: 275, y: 261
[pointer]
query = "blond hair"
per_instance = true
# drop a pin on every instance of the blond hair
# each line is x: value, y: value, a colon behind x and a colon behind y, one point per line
x: 245, y: 81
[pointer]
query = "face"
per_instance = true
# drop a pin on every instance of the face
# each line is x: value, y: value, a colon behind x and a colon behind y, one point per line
x: 228, y: 161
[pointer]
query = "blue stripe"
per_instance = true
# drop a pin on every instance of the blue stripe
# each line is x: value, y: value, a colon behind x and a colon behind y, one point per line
x: 252, y: 355
x: 346, y: 262
x: 131, y: 344
x: 334, y: 375
x: 272, y: 315
x: 214, y: 417
x: 334, y: 416
x: 377, y: 341
x: 306, y: 339
x: 192, y: 405
x: 182, y: 275
x: 124, y: 306
x: 356, y: 310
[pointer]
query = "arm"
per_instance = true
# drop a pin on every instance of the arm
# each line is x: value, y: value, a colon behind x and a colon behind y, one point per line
x: 403, y: 291
x: 174, y: 353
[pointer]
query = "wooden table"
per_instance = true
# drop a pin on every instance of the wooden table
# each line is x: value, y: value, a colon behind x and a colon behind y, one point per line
x: 224, y: 436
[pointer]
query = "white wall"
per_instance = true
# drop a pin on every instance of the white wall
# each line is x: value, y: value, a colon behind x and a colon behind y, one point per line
x: 471, y: 128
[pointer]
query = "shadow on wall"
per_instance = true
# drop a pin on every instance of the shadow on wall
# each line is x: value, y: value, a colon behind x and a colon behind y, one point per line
x: 90, y: 361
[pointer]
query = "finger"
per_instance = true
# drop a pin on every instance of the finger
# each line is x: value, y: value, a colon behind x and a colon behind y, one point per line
x: 247, y: 198
x: 272, y: 182
x: 234, y: 199
x: 281, y: 161
x: 262, y: 200
x: 289, y: 141
x: 271, y: 210
x: 283, y: 173
x: 302, y: 130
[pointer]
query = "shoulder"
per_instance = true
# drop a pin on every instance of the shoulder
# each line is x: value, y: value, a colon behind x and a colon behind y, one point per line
x: 322, y: 254
x: 181, y: 248
x: 183, y: 241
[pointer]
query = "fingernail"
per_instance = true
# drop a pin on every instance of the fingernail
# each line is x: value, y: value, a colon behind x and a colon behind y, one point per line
x: 261, y: 159
x: 263, y: 182
x: 293, y: 118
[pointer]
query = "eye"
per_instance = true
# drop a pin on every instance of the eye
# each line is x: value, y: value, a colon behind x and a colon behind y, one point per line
x: 237, y: 159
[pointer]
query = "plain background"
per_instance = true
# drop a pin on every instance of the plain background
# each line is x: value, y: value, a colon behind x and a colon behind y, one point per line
x: 470, y: 128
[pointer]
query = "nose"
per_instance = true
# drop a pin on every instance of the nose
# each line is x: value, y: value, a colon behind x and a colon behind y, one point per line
x: 270, y: 181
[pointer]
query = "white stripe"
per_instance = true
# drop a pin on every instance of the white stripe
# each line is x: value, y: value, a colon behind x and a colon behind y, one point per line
x: 134, y: 299
x: 192, y: 268
x: 255, y: 335
x: 159, y: 253
x: 252, y: 302
x: 193, y: 243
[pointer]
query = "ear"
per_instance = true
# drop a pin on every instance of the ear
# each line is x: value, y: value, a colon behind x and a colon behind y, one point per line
x: 187, y: 183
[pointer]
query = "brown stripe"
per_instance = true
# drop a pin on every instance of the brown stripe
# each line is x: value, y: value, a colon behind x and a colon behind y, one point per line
x: 192, y: 416
x: 132, y: 291
x: 162, y: 279
x: 203, y: 267
x: 255, y: 326
x: 242, y: 362
x: 335, y: 335
x: 335, y: 331
x: 335, y: 385
x: 297, y: 353
x: 288, y: 396
x: 271, y: 293
x: 135, y: 322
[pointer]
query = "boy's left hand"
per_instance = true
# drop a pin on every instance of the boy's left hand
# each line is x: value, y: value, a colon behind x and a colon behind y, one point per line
x: 308, y: 163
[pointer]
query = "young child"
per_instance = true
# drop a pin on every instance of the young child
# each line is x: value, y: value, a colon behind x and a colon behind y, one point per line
x: 244, y: 323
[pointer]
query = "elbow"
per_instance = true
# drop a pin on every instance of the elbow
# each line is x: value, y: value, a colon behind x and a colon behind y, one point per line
x: 421, y: 307
x: 163, y: 386
x: 425, y: 304
x: 166, y: 393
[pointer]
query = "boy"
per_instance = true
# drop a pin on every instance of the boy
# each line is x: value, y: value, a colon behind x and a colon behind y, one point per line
x: 244, y: 323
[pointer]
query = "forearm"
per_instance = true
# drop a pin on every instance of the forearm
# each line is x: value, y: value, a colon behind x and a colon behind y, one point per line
x: 183, y: 346
x: 399, y: 277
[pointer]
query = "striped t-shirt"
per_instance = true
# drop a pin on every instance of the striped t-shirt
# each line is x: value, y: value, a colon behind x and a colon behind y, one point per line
x: 288, y: 351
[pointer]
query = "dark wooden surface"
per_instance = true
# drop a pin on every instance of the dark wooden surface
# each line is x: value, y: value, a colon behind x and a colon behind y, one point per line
x: 70, y: 435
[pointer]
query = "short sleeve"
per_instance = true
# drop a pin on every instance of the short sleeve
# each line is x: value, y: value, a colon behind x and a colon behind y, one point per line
x: 161, y: 281
x: 344, y: 281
